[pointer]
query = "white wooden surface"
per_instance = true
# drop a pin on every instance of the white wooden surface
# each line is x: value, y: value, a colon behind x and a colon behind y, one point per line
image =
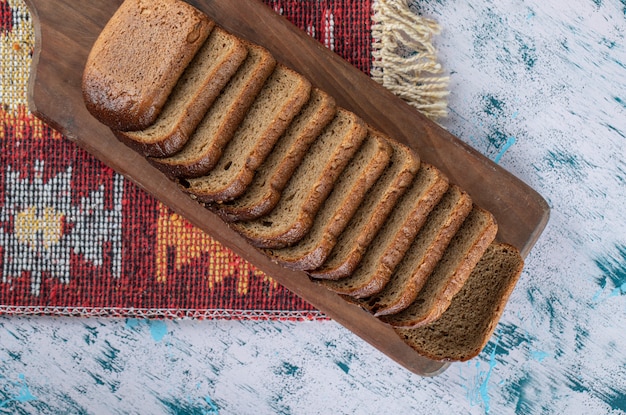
x: 538, y: 86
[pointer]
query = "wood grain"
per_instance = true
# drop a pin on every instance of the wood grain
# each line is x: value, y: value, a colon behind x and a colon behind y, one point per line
x: 65, y: 31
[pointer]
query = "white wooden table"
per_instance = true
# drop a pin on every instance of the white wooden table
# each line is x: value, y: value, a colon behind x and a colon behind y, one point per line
x: 538, y: 86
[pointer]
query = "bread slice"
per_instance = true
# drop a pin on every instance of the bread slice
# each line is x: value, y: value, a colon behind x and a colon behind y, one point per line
x: 371, y: 214
x: 395, y: 237
x: 273, y: 175
x: 461, y: 256
x: 349, y: 190
x: 280, y: 100
x: 126, y: 83
x: 423, y: 255
x: 465, y: 327
x: 309, y: 186
x: 205, y: 147
x: 199, y: 85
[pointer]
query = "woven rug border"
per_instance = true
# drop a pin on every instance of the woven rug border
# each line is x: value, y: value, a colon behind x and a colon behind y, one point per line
x: 172, y: 314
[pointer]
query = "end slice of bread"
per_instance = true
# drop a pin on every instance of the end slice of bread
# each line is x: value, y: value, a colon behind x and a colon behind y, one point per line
x: 206, y: 145
x: 199, y: 85
x: 280, y: 100
x: 423, y: 255
x: 126, y: 83
x: 272, y: 176
x: 309, y: 186
x: 349, y: 190
x: 371, y: 214
x: 461, y: 256
x: 395, y: 237
x: 465, y: 327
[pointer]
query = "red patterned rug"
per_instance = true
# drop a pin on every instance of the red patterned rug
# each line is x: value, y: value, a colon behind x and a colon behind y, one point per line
x: 78, y: 239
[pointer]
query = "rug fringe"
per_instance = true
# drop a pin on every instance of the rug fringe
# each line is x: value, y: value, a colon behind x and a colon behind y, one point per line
x: 405, y: 60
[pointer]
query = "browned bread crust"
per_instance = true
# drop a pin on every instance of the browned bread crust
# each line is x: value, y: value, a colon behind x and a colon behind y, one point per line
x: 395, y: 237
x: 199, y: 85
x: 461, y: 256
x: 310, y: 185
x: 125, y: 84
x: 206, y: 145
x: 353, y: 184
x: 371, y: 215
x: 272, y: 177
x: 283, y: 95
x: 423, y: 255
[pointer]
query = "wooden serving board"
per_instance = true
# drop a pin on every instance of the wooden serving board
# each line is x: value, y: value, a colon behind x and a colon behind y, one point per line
x: 65, y: 31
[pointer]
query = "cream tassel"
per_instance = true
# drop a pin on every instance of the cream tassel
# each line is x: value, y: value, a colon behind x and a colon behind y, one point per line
x: 405, y: 60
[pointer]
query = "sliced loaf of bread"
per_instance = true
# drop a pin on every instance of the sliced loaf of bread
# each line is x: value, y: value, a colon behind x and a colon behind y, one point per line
x: 395, y: 237
x: 126, y: 83
x: 465, y: 327
x: 355, y: 181
x: 371, y: 214
x: 206, y: 145
x: 461, y: 256
x: 273, y: 175
x: 283, y: 95
x: 327, y: 208
x: 423, y: 255
x: 309, y: 186
x: 199, y: 85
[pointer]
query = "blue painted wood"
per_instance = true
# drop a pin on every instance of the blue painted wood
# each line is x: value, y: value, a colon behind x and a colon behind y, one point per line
x: 540, y: 87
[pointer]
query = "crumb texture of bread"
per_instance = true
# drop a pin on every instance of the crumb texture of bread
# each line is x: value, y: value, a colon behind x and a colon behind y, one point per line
x: 464, y: 329
x: 466, y: 248
x: 309, y: 186
x: 199, y: 85
x: 394, y: 238
x: 272, y: 177
x: 280, y: 100
x: 206, y: 145
x: 127, y: 80
x: 349, y: 190
x: 371, y: 214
